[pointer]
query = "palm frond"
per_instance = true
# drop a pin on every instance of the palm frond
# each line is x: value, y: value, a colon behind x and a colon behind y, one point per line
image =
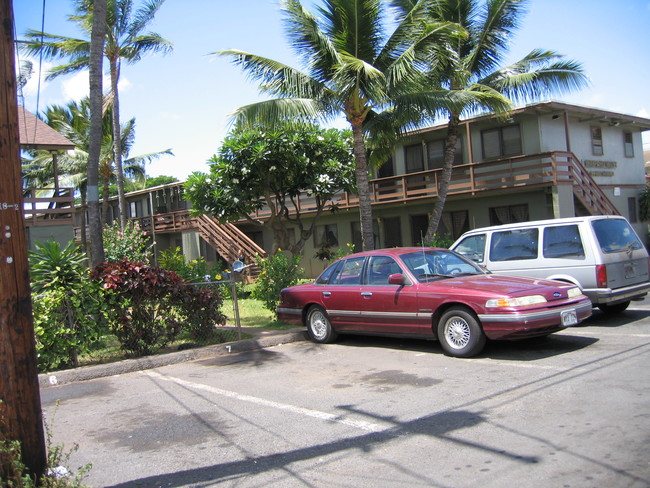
x: 308, y: 41
x: 280, y: 110
x: 492, y: 32
x: 539, y: 74
x: 277, y: 78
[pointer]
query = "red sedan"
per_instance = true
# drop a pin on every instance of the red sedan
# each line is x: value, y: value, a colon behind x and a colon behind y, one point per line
x: 431, y: 293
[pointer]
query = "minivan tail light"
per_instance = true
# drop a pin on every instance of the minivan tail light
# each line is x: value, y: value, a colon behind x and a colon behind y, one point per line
x: 601, y: 275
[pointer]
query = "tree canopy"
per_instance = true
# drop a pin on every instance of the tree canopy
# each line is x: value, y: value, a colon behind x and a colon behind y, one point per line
x: 259, y: 167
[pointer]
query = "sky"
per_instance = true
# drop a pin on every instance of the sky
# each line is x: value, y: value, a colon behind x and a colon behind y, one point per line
x: 183, y: 101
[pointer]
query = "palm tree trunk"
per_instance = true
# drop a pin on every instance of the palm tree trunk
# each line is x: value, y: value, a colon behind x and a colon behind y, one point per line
x: 84, y: 231
x: 105, y: 189
x: 117, y: 142
x: 447, y: 170
x: 97, y: 38
x: 363, y: 187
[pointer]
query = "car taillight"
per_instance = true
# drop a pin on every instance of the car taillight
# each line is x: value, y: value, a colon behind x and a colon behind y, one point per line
x: 601, y: 275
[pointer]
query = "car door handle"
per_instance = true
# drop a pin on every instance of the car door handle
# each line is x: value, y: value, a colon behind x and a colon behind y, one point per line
x: 327, y: 293
x: 366, y: 293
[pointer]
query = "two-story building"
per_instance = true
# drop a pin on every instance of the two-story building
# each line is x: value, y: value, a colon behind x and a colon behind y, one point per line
x: 545, y: 160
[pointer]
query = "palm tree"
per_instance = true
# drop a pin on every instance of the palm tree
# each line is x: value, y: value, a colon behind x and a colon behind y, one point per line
x: 354, y: 69
x: 73, y: 121
x: 125, y: 41
x: 469, y: 77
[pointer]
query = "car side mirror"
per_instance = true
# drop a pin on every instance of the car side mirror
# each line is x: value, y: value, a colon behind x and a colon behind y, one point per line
x: 396, y: 279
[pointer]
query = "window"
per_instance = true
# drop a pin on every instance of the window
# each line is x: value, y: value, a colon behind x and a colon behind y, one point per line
x: 596, y: 141
x: 501, y: 142
x: 386, y: 169
x: 628, y: 144
x: 392, y: 232
x: 419, y: 226
x: 513, y: 245
x: 413, y: 158
x: 326, y: 236
x: 454, y: 224
x: 631, y: 210
x: 355, y: 228
x: 436, y: 153
x: 615, y: 235
x: 349, y: 273
x: 472, y: 247
x: 509, y: 214
x: 380, y: 268
x: 563, y: 241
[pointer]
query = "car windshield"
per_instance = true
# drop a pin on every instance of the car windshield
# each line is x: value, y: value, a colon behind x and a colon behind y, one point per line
x: 435, y: 264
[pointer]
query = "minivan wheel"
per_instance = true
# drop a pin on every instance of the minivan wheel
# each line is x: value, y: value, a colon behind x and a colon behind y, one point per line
x: 460, y: 333
x: 319, y: 326
x: 615, y: 308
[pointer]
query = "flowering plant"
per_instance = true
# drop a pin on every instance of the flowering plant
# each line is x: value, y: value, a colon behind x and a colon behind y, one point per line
x: 132, y: 243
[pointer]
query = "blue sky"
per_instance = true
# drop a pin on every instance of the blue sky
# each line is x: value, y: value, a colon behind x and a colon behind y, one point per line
x: 182, y: 101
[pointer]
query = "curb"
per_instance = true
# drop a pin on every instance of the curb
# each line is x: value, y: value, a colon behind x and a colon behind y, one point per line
x: 264, y: 338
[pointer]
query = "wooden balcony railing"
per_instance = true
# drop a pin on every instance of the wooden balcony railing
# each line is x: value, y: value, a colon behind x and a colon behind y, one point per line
x: 41, y: 208
x: 518, y: 172
x: 529, y: 171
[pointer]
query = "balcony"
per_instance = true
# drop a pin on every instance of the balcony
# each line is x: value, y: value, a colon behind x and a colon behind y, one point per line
x: 519, y: 172
x: 41, y: 208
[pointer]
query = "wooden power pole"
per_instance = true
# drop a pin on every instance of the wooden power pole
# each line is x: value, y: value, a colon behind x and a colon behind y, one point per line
x: 19, y: 391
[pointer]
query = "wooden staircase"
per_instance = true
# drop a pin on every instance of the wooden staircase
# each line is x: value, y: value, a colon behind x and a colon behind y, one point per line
x: 228, y: 241
x: 586, y: 190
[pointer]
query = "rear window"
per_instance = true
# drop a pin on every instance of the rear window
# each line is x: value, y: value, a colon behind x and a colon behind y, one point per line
x: 349, y: 272
x: 513, y: 245
x: 563, y: 241
x: 615, y: 235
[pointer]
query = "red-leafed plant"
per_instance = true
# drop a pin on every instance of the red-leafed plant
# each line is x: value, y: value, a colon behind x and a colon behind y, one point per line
x: 151, y: 305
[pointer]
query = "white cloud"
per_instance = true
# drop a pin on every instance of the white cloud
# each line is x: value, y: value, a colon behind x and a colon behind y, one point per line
x: 77, y: 86
x: 643, y: 113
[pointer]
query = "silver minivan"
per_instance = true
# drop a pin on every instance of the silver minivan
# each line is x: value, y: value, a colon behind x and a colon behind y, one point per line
x: 600, y: 254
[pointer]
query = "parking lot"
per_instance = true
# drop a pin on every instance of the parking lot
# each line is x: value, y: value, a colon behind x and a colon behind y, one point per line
x: 571, y: 410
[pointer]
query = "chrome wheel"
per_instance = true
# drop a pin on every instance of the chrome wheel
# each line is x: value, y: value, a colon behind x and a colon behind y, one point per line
x: 460, y: 333
x: 319, y: 326
x: 457, y: 332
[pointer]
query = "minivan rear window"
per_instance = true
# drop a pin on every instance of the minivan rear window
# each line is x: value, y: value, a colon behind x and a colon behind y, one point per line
x: 563, y: 241
x: 513, y: 245
x: 615, y: 235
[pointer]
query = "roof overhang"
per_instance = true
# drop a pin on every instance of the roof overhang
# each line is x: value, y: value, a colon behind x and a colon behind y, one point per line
x: 36, y: 134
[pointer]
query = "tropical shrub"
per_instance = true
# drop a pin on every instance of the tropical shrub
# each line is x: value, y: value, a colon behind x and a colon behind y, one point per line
x: 439, y: 240
x: 151, y: 305
x: 194, y: 271
x: 202, y: 312
x: 277, y: 272
x: 67, y: 305
x: 131, y: 244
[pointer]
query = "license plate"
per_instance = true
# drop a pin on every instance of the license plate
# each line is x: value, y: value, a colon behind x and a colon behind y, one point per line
x: 569, y: 317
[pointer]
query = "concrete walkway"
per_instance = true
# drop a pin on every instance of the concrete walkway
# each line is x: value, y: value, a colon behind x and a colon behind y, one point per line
x: 260, y: 338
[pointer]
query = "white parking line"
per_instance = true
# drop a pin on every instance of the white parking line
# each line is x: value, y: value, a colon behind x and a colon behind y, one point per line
x: 307, y: 412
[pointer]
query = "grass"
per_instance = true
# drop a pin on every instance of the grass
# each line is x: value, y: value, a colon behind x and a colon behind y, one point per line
x: 252, y: 314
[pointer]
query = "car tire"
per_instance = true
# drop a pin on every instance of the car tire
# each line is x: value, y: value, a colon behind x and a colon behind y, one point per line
x: 460, y: 333
x: 615, y: 308
x: 319, y: 326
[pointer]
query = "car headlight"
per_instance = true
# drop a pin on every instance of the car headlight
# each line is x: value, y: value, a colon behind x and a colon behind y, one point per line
x: 574, y: 292
x: 515, y: 302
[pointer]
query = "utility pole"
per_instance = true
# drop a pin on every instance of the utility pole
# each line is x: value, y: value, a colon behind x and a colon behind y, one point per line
x: 19, y: 392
